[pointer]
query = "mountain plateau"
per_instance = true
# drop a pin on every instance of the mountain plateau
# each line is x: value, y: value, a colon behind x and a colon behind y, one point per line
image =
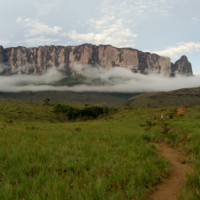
x: 22, y: 60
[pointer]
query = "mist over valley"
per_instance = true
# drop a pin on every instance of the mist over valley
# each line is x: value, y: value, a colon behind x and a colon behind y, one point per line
x: 91, y: 68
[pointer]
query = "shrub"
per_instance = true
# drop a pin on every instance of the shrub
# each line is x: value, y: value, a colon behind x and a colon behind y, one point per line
x: 86, y: 113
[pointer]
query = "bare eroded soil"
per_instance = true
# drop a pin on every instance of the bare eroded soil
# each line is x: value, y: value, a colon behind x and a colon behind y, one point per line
x: 180, y: 110
x: 171, y: 186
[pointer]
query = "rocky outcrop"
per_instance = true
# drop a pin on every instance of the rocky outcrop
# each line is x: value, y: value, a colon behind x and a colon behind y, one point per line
x: 37, y: 60
x: 182, y: 66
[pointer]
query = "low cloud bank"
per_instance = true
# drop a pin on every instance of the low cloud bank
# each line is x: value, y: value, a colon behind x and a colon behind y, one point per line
x: 117, y: 79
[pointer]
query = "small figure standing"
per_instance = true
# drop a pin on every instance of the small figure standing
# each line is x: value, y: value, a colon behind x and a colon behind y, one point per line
x: 154, y: 117
x: 161, y: 116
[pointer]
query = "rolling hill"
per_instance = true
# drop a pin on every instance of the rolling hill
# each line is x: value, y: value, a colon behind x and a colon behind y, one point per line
x: 181, y: 97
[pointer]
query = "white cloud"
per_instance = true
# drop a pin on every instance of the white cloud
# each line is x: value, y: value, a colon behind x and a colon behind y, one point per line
x: 4, y: 42
x: 115, y: 26
x: 106, y: 30
x: 19, y: 19
x: 81, y: 37
x: 180, y: 48
x: 12, y: 83
x: 64, y: 34
x: 115, y: 80
x: 40, y: 41
x: 103, y: 21
x: 115, y: 36
x: 37, y: 28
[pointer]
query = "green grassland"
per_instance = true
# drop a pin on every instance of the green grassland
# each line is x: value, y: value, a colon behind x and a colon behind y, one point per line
x: 181, y: 97
x: 90, y: 98
x: 113, y: 157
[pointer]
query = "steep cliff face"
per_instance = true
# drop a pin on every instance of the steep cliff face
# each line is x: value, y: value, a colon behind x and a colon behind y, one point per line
x: 182, y: 66
x: 37, y: 60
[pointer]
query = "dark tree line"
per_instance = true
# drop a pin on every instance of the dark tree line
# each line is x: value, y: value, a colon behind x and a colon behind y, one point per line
x: 71, y: 114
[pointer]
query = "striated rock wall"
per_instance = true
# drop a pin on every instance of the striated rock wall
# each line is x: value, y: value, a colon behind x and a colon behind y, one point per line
x: 182, y: 66
x: 37, y: 60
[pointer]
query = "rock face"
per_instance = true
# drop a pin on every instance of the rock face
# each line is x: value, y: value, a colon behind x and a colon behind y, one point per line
x: 182, y: 66
x: 37, y: 60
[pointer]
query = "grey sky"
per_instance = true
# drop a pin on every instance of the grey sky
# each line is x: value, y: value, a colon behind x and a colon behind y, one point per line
x: 167, y: 27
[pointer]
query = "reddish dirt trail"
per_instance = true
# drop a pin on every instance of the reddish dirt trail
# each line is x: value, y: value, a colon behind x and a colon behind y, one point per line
x: 180, y: 110
x: 171, y: 186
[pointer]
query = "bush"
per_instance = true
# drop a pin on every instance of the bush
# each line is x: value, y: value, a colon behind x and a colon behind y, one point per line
x: 86, y: 113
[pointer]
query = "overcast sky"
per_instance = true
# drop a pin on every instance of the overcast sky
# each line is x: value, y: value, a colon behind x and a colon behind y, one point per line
x: 167, y: 27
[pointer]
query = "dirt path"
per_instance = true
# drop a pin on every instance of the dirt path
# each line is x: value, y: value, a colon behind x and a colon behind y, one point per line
x: 180, y: 110
x: 171, y: 186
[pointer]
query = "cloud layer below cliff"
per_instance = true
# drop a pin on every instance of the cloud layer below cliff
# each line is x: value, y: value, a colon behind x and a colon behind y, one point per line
x: 117, y: 79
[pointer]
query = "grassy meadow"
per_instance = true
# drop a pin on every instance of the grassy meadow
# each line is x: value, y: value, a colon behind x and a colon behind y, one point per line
x: 114, y: 157
x: 90, y: 98
x: 181, y: 97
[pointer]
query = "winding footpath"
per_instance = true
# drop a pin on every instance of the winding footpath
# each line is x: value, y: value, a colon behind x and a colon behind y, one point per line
x: 170, y: 188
